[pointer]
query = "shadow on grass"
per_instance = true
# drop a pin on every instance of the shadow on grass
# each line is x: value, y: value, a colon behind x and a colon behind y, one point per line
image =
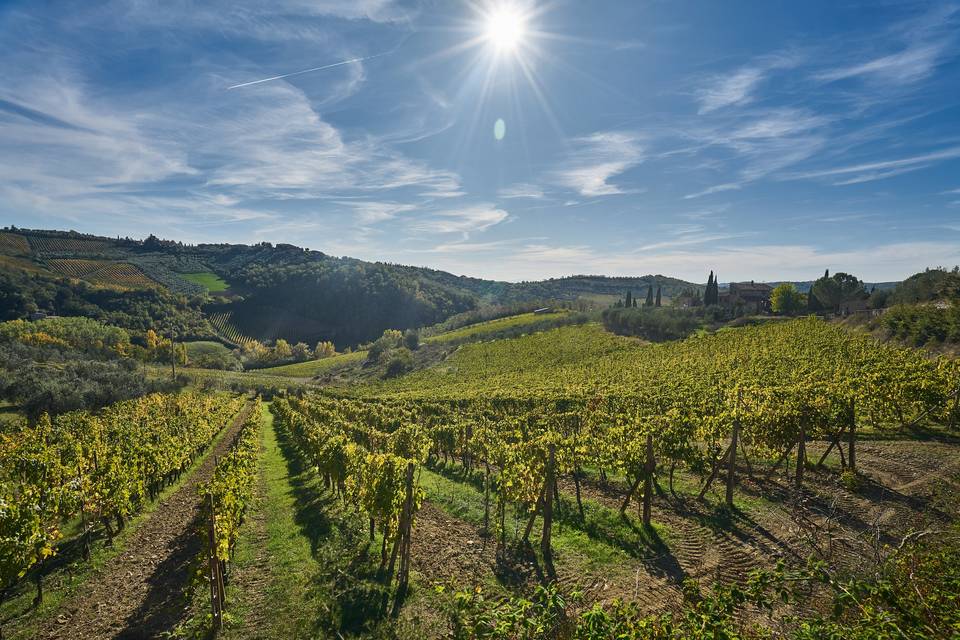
x: 346, y: 581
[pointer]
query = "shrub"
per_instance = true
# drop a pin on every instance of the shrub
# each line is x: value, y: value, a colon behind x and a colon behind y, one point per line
x: 399, y: 362
x: 653, y: 324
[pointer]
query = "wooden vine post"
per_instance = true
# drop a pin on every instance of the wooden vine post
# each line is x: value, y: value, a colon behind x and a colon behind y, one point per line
x: 649, y: 466
x: 732, y: 463
x: 406, y: 524
x: 853, y: 436
x: 215, y: 575
x: 548, y: 506
x: 801, y: 452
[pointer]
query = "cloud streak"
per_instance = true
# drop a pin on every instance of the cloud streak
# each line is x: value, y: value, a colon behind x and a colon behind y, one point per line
x: 597, y: 159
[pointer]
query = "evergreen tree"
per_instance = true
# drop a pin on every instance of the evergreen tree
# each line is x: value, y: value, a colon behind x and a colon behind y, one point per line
x: 712, y: 295
x: 649, y: 302
x: 629, y: 302
x: 634, y: 303
x: 658, y: 296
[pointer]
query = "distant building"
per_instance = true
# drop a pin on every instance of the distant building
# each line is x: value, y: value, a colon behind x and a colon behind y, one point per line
x: 747, y: 297
x: 542, y: 311
x: 38, y: 315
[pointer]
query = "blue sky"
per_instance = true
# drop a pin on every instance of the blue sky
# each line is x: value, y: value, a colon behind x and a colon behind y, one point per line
x: 764, y: 140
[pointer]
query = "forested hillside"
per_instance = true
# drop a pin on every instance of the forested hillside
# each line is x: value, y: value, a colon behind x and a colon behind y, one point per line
x: 258, y: 291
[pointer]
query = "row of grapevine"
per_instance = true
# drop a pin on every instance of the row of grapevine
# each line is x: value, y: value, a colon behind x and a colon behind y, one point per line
x: 762, y: 392
x: 371, y: 469
x: 224, y: 500
x: 100, y: 467
x: 115, y: 274
x: 13, y: 244
x: 75, y: 268
x: 221, y: 322
x: 42, y: 244
x: 158, y: 269
x: 122, y: 275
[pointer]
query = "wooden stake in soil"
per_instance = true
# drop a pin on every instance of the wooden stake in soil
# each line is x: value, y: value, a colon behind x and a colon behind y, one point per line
x: 853, y: 437
x: 216, y: 582
x: 801, y: 452
x: 732, y: 463
x: 548, y: 507
x: 650, y: 466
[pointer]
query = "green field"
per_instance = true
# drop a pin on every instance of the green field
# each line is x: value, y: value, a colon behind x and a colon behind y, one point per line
x: 211, y: 281
x: 312, y: 368
x: 481, y: 329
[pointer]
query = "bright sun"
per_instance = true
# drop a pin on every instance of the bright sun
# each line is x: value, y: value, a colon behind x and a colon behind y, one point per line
x: 505, y: 28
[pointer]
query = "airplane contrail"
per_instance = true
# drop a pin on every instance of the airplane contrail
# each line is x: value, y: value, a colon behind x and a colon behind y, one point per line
x: 297, y: 73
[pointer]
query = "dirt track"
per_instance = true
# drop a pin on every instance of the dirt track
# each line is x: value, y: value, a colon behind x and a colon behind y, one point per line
x: 140, y: 592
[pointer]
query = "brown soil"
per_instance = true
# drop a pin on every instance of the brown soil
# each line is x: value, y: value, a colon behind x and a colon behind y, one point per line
x: 140, y: 592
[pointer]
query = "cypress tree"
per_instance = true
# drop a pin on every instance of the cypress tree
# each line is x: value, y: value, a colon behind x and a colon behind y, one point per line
x: 708, y: 293
x: 634, y: 303
x: 629, y: 302
x: 658, y: 296
x: 649, y: 301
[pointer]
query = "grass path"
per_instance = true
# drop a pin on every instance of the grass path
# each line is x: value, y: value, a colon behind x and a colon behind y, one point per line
x: 302, y: 567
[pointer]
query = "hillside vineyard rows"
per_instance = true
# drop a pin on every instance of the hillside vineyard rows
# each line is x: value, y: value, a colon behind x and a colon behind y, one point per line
x: 103, y: 468
x: 533, y: 428
x: 685, y: 405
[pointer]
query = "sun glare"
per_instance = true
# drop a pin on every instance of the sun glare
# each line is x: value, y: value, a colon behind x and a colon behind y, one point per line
x: 505, y: 28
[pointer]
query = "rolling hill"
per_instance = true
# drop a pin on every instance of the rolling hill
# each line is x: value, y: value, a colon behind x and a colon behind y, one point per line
x: 271, y: 291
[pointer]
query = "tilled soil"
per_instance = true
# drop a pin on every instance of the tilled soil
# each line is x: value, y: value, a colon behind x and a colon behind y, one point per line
x: 140, y: 592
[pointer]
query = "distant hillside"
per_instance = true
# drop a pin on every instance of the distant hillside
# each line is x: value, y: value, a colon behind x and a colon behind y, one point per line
x: 265, y: 291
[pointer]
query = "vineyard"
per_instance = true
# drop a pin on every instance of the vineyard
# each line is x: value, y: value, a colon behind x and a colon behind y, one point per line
x: 14, y: 245
x: 102, y: 468
x: 113, y: 274
x: 662, y: 427
x: 221, y: 322
x: 50, y: 245
x: 158, y: 269
x: 561, y: 484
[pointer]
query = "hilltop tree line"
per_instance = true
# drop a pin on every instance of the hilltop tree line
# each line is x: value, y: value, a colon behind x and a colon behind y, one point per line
x: 629, y: 302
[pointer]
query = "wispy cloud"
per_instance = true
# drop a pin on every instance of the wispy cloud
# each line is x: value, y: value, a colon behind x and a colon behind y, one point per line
x: 735, y: 89
x: 738, y: 87
x: 596, y: 160
x: 466, y: 220
x: 369, y: 212
x: 923, y: 43
x: 720, y: 188
x: 882, y: 169
x: 523, y: 190
x: 911, y: 65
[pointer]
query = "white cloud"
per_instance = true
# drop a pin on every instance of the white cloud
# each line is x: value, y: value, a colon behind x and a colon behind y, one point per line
x: 373, y: 212
x: 522, y: 190
x: 881, y: 169
x: 466, y: 220
x: 720, y: 188
x: 910, y: 65
x: 735, y: 89
x: 597, y: 159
